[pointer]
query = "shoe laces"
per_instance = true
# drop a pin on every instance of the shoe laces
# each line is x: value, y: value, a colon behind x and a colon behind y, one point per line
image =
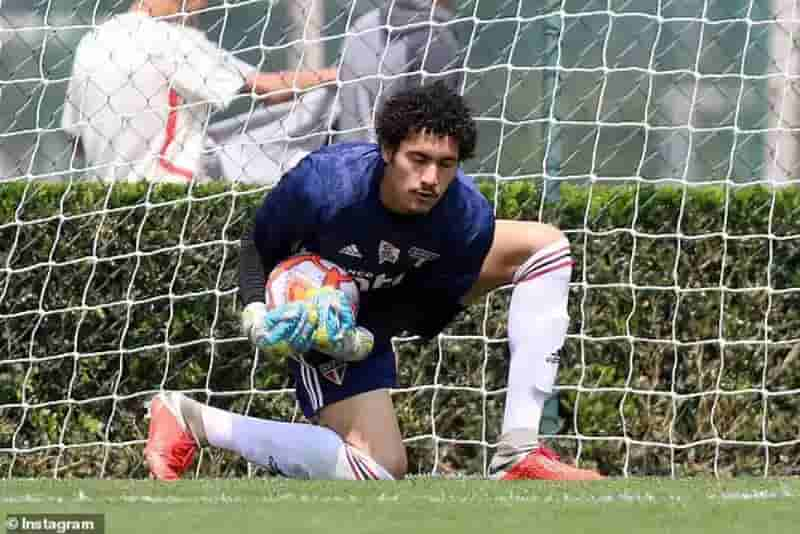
x: 184, y: 447
x: 548, y: 453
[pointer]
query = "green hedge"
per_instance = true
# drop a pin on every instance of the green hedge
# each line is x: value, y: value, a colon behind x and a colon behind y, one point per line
x: 109, y: 293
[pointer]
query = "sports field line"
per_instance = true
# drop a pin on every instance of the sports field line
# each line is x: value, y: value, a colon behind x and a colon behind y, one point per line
x: 627, y: 497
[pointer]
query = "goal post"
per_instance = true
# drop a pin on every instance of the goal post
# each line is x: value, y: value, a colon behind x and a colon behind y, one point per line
x: 662, y: 133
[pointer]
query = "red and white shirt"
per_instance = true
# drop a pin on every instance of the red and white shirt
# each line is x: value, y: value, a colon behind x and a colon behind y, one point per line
x: 141, y: 94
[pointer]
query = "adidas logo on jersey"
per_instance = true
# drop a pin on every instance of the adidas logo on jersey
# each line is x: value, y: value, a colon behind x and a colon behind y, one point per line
x: 352, y: 251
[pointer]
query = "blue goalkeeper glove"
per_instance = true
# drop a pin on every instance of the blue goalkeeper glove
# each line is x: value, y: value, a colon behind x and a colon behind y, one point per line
x: 285, y: 330
x: 323, y: 321
x: 336, y: 333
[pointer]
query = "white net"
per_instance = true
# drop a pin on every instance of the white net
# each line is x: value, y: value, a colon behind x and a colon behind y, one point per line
x: 682, y: 357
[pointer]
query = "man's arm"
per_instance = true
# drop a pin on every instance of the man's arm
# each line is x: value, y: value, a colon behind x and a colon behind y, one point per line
x: 277, y: 87
x: 71, y: 115
x: 287, y: 215
x: 208, y: 72
x: 252, y: 278
x: 199, y: 69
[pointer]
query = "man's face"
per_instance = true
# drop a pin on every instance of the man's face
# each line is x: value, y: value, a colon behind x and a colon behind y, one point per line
x: 418, y: 173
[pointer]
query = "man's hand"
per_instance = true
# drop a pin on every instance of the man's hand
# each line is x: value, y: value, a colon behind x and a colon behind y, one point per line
x: 336, y: 333
x: 286, y: 330
x: 324, y: 321
x: 253, y: 317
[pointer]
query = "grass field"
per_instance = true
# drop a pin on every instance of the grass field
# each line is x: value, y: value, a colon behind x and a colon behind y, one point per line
x: 418, y: 505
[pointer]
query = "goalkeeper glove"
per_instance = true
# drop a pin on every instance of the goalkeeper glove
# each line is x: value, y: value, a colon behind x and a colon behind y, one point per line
x: 285, y: 330
x: 336, y: 333
x: 253, y: 320
x: 323, y: 321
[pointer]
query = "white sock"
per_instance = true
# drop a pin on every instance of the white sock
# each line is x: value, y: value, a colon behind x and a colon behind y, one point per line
x: 293, y: 450
x: 537, y: 326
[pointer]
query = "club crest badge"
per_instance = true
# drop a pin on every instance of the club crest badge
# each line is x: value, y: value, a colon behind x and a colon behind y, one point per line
x: 334, y: 371
x: 420, y: 255
x: 388, y: 253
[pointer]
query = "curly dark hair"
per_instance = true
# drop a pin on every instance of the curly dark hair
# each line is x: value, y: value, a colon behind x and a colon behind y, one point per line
x: 429, y: 108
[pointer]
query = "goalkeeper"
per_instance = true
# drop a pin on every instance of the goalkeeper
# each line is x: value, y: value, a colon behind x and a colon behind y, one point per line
x: 422, y: 242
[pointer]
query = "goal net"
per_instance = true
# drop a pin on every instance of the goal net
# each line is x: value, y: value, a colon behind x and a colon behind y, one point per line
x: 662, y: 136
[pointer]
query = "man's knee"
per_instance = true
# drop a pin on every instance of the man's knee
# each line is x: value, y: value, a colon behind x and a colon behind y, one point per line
x: 553, y: 234
x: 397, y: 465
x: 359, y: 463
x: 368, y: 423
x: 535, y: 236
x: 393, y: 459
x: 517, y: 241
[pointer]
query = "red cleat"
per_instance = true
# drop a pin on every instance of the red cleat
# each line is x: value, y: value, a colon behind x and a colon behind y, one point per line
x: 170, y: 445
x: 543, y: 463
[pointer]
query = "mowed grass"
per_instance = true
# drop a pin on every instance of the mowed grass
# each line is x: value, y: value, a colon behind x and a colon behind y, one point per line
x: 418, y: 505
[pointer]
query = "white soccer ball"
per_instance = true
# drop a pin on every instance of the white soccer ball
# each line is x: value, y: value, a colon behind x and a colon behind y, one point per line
x: 297, y: 278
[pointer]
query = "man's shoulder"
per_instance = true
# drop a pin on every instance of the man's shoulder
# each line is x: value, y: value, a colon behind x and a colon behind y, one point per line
x: 336, y: 175
x: 123, y: 28
x: 118, y: 31
x: 469, y: 196
x: 344, y: 152
x: 466, y: 209
x: 130, y: 21
x: 149, y: 30
x: 343, y: 163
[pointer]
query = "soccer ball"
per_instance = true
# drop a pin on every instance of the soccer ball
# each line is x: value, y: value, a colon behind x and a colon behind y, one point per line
x: 298, y: 277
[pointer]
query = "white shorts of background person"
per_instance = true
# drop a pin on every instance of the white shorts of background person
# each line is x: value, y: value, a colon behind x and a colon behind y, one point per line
x: 259, y: 146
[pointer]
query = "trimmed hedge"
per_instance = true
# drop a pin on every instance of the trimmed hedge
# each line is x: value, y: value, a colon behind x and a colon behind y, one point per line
x: 683, y: 356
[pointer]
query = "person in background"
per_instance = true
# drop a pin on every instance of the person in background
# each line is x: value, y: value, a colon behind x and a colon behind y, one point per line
x: 144, y: 85
x: 418, y: 38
